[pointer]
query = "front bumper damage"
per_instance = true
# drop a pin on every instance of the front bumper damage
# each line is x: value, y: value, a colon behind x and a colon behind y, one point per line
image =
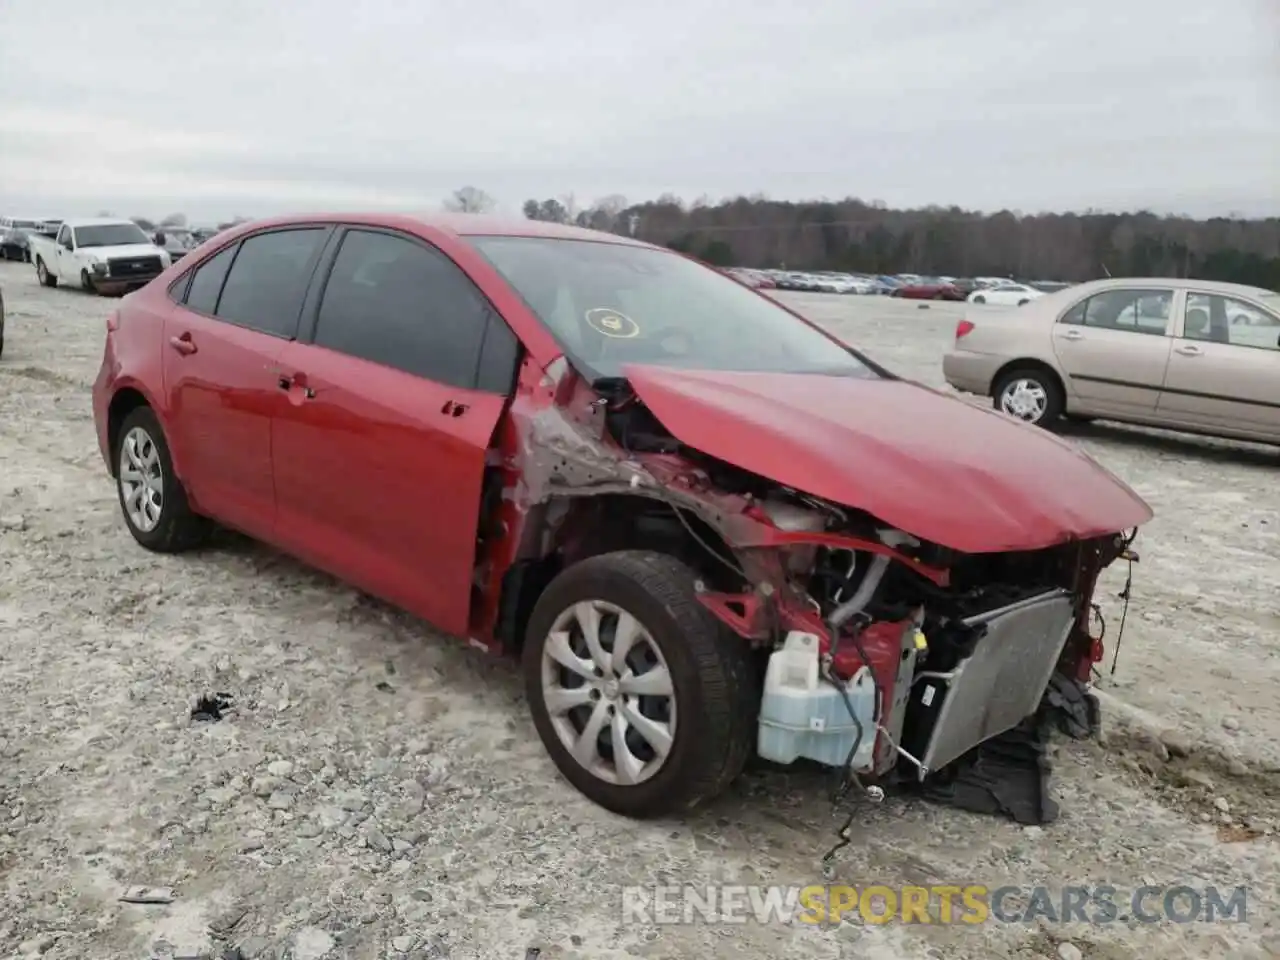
x: 997, y: 686
x: 931, y: 654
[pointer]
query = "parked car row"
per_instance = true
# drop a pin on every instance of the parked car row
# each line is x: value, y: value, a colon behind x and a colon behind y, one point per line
x: 16, y: 233
x: 909, y: 286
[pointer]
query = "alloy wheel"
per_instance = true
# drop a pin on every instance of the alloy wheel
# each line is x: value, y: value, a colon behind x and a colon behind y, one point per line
x: 1025, y: 399
x: 608, y: 691
x: 141, y: 480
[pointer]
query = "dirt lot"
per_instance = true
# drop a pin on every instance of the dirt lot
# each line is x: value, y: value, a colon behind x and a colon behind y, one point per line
x: 381, y: 793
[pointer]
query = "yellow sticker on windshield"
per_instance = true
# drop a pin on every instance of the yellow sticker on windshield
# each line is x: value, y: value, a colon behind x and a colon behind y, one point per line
x: 611, y: 323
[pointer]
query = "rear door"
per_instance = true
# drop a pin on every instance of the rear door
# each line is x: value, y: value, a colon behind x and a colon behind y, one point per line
x: 380, y: 450
x: 222, y: 342
x: 1114, y: 347
x: 1224, y: 373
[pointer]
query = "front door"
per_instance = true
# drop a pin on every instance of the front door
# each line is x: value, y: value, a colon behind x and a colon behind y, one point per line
x: 380, y: 452
x: 222, y: 345
x: 1224, y: 373
x: 66, y: 268
x: 1114, y: 348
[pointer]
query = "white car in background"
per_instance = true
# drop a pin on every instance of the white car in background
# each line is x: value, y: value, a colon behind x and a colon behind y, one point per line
x: 1005, y: 295
x: 103, y: 255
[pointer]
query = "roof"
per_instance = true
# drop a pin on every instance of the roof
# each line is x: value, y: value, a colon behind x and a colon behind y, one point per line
x: 1176, y: 283
x: 75, y: 222
x: 459, y: 224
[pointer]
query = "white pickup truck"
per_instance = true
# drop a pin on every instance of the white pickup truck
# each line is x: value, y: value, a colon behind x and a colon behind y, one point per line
x: 102, y: 255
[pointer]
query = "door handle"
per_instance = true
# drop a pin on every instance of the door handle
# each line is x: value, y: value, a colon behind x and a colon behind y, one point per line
x: 288, y: 383
x: 1189, y: 350
x: 183, y: 344
x: 1073, y: 335
x: 453, y: 409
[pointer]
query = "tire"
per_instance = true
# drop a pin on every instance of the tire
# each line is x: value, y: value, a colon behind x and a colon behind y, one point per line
x: 1023, y: 303
x: 1035, y: 383
x: 979, y: 299
x: 176, y: 526
x: 46, y: 278
x: 86, y: 282
x: 1, y: 330
x: 715, y: 689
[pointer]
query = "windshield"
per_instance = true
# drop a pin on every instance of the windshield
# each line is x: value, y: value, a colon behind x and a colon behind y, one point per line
x: 611, y: 304
x: 110, y: 235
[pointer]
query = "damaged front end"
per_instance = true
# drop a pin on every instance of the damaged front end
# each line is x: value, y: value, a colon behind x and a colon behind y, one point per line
x: 879, y: 652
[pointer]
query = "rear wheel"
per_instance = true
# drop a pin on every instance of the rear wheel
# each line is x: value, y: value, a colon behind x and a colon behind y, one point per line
x: 979, y: 299
x: 152, y: 499
x: 46, y: 278
x: 644, y: 700
x: 1021, y: 302
x: 1031, y: 394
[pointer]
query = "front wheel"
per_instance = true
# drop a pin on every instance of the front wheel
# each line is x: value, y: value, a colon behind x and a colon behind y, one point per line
x: 645, y: 701
x: 152, y: 499
x: 1031, y: 394
x: 86, y: 282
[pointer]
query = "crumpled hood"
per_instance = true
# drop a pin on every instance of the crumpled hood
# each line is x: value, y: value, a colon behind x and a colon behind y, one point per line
x: 934, y: 466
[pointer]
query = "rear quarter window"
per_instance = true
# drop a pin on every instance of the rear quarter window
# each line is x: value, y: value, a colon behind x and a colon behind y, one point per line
x: 206, y: 283
x: 269, y: 278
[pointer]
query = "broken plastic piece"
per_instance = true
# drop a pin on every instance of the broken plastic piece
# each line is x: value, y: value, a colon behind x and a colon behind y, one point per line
x: 147, y: 895
x: 210, y: 707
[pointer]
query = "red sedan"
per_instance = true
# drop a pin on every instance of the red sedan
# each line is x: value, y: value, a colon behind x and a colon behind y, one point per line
x: 928, y: 290
x: 670, y: 497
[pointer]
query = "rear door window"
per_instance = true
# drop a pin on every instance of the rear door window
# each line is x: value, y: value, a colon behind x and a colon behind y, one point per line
x: 202, y: 295
x: 269, y: 278
x: 394, y: 301
x: 1133, y: 311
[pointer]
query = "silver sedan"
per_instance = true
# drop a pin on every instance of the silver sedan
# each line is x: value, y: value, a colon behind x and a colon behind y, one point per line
x: 1189, y: 355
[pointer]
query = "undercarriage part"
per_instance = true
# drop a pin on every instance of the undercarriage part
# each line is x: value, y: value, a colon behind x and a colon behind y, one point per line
x: 1007, y: 775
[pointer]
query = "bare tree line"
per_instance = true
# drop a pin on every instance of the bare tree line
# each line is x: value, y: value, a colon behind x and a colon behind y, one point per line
x: 869, y: 237
x: 862, y: 236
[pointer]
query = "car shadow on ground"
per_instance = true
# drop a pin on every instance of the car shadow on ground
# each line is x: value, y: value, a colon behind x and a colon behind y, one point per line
x: 1178, y: 445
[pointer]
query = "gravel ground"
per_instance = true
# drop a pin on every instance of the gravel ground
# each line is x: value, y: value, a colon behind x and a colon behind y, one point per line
x: 379, y: 792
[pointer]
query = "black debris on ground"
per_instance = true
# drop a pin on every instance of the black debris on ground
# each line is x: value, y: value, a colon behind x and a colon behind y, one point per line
x: 1073, y: 708
x: 1009, y: 774
x: 211, y: 707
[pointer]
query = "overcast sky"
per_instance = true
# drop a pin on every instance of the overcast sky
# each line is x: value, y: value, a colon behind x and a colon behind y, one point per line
x: 219, y: 107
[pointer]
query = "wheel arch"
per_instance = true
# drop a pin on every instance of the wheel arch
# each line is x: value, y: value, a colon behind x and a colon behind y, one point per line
x: 581, y: 527
x: 1027, y: 363
x: 127, y: 397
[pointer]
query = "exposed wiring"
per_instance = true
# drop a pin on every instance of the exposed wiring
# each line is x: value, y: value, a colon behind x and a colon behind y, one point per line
x: 1102, y: 633
x: 706, y: 546
x: 1124, y: 595
x: 848, y: 778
